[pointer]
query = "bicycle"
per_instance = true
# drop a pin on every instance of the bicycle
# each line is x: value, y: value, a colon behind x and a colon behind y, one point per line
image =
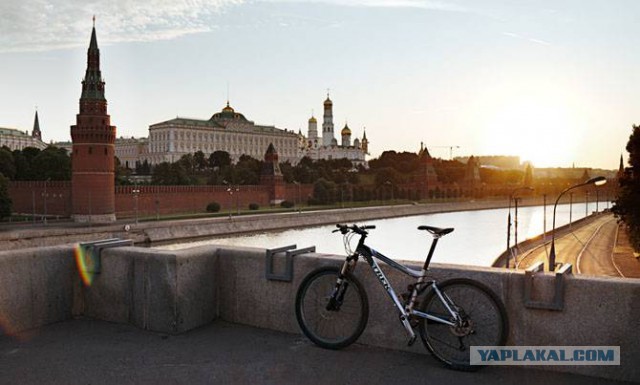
x: 332, y: 307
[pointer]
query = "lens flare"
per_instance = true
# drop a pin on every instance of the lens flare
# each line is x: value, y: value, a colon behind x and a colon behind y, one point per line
x: 86, y: 263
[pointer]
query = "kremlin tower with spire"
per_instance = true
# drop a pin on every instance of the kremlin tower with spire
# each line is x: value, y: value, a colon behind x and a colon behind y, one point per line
x: 93, y: 151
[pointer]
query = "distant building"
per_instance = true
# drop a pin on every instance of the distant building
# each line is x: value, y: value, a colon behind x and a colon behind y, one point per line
x: 227, y: 130
x: 130, y: 151
x: 328, y: 147
x: 230, y: 131
x: 505, y: 162
x: 17, y: 140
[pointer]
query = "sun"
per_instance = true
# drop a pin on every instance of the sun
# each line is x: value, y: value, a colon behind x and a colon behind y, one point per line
x: 539, y: 131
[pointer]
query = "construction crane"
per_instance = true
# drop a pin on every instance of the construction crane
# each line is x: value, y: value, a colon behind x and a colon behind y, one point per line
x: 450, y: 150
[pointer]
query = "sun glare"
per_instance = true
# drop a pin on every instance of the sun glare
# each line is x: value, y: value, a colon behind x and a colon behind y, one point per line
x: 537, y: 131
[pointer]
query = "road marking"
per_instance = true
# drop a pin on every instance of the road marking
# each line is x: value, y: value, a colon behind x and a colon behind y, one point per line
x: 585, y: 245
x: 615, y: 243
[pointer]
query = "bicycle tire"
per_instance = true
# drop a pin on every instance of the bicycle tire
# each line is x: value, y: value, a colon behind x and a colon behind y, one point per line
x: 331, y: 329
x: 488, y: 326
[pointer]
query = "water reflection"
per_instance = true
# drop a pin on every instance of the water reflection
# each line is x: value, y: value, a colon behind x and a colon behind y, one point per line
x: 479, y: 236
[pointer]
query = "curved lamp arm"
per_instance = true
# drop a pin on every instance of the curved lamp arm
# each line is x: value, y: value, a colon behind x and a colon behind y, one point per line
x: 596, y: 181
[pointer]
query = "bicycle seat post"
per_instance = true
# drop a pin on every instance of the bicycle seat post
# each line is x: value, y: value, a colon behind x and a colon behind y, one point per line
x: 431, y: 251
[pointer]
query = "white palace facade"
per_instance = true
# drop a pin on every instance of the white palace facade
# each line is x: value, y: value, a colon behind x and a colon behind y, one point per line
x: 229, y: 130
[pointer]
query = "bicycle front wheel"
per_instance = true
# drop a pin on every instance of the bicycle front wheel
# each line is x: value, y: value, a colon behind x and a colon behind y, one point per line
x: 482, y: 322
x: 331, y: 315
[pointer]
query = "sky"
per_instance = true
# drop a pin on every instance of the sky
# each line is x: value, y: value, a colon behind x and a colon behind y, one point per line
x: 554, y: 82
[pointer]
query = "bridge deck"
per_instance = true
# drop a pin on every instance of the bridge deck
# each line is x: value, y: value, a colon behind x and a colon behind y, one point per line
x: 96, y: 352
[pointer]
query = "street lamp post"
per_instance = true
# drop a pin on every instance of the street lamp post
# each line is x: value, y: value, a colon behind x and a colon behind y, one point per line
x: 586, y: 205
x: 33, y: 201
x: 391, y: 188
x: 511, y: 197
x: 45, y: 196
x: 230, y: 190
x: 298, y: 201
x: 238, y: 200
x: 544, y: 217
x: 136, y: 192
x: 597, y: 181
x: 570, y: 209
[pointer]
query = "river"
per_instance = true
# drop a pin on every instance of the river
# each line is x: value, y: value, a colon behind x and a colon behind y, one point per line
x: 479, y: 236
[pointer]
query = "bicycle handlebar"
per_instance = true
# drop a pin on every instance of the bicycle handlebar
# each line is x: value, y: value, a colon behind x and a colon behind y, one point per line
x: 362, y: 230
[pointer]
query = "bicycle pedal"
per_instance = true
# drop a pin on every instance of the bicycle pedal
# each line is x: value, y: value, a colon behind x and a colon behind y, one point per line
x: 412, y: 340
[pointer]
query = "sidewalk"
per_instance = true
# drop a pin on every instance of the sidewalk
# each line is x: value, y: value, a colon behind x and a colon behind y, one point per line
x: 96, y: 352
x: 623, y: 257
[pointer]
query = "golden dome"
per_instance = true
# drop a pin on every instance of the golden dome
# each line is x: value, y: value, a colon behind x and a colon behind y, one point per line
x: 346, y: 130
x: 228, y: 108
x: 312, y: 120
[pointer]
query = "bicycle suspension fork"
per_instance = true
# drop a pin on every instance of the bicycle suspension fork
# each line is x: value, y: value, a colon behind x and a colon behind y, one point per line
x: 335, y: 301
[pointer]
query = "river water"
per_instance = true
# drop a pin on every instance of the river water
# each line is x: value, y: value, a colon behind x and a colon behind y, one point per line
x: 479, y: 237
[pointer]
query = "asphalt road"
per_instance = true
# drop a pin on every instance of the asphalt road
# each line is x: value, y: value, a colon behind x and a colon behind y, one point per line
x: 588, y: 248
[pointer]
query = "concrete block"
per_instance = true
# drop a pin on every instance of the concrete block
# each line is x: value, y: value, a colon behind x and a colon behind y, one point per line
x: 109, y: 296
x: 196, y: 287
x: 51, y: 281
x: 35, y: 287
x: 154, y: 291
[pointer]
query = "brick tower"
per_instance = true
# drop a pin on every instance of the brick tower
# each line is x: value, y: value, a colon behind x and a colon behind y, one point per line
x: 93, y: 138
x: 271, y: 176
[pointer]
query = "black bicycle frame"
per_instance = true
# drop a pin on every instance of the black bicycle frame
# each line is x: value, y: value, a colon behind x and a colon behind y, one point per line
x: 370, y: 255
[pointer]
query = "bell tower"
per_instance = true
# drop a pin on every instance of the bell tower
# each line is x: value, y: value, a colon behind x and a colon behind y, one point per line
x: 93, y: 138
x: 327, y: 122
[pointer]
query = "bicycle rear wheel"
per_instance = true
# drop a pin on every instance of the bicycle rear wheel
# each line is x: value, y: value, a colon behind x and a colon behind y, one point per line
x: 483, y: 322
x: 332, y: 316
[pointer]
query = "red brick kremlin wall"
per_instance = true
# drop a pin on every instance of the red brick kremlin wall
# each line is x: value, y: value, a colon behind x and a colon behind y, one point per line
x: 29, y: 197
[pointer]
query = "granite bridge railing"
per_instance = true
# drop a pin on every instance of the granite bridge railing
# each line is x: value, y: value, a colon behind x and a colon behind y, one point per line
x: 176, y: 291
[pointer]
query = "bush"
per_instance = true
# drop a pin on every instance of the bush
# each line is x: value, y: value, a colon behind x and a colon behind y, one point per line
x: 286, y: 204
x: 213, y: 207
x: 253, y: 206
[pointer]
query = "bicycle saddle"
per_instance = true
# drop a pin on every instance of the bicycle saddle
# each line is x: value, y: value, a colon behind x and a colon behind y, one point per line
x: 436, y: 230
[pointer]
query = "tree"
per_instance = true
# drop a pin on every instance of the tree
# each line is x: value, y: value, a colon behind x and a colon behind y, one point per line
x: 219, y: 159
x: 324, y: 191
x: 5, y: 200
x: 187, y: 161
x: 51, y: 163
x: 121, y: 173
x: 7, y: 164
x: 23, y: 167
x: 201, y: 161
x: 628, y: 200
x: 143, y: 168
x: 163, y: 174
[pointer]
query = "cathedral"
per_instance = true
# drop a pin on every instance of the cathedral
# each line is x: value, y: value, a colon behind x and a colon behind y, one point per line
x: 327, y: 146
